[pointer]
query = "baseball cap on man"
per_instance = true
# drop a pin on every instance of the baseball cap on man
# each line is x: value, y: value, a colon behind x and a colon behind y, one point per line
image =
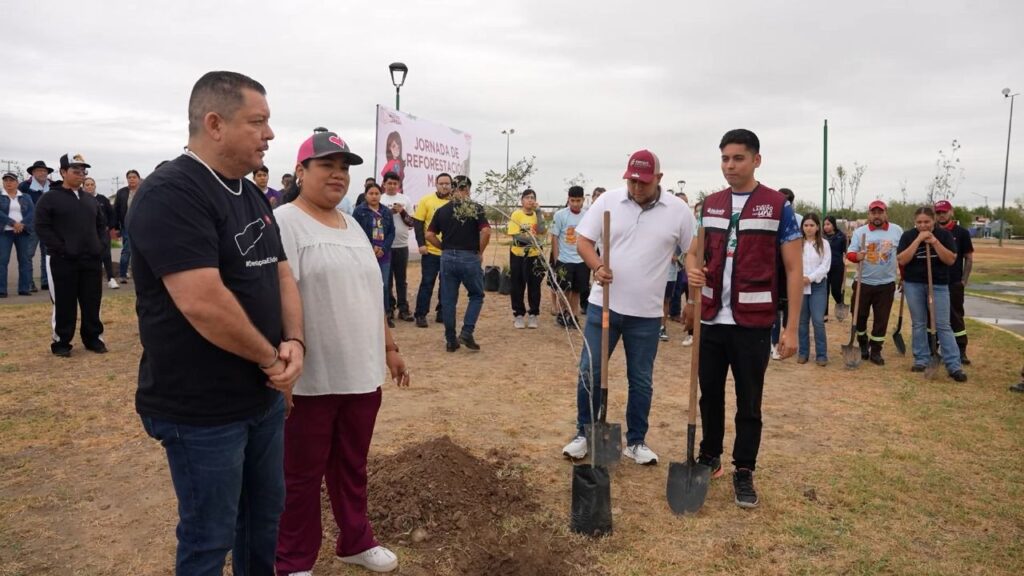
x: 325, y: 143
x: 644, y: 166
x: 877, y: 204
x: 71, y: 159
x: 9, y: 176
x: 943, y: 206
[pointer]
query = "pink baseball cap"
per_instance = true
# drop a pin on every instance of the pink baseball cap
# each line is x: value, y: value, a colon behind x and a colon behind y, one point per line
x: 326, y: 143
x: 643, y: 166
x: 943, y: 206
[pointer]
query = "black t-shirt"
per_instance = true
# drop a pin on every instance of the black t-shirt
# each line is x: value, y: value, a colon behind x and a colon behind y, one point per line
x: 917, y: 270
x: 459, y: 222
x: 964, y: 246
x: 183, y: 219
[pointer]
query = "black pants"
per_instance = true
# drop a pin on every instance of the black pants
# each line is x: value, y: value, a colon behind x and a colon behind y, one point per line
x: 956, y: 315
x: 878, y: 301
x: 399, y: 265
x: 108, y: 264
x: 836, y: 277
x: 526, y: 277
x: 745, y: 350
x: 75, y: 284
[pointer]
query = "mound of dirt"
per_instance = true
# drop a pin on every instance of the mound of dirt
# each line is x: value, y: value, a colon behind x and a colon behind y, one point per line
x: 467, y: 515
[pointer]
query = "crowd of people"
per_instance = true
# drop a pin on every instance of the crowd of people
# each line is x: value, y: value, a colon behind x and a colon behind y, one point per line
x: 284, y: 303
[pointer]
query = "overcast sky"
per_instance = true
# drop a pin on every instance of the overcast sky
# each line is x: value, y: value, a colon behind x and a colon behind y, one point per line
x: 584, y: 84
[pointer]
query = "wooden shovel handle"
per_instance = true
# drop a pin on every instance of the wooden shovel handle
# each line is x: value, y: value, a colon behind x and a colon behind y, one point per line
x: 606, y: 257
x: 695, y: 297
x: 931, y: 293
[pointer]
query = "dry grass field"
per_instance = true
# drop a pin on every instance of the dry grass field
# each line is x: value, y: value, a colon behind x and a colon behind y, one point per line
x: 866, y: 471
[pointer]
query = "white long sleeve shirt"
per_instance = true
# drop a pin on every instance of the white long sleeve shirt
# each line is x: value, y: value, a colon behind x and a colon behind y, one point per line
x: 816, y: 265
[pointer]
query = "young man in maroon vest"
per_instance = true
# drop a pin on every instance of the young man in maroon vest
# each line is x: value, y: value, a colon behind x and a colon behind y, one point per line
x: 748, y: 227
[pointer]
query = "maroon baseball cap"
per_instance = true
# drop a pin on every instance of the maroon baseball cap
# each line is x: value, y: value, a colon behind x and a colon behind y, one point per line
x: 877, y: 204
x: 643, y: 166
x: 943, y: 206
x: 324, y: 143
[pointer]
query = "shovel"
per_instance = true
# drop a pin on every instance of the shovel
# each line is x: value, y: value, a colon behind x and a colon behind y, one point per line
x: 688, y: 481
x: 932, y: 369
x: 851, y: 353
x: 605, y: 439
x: 842, y: 310
x: 897, y: 337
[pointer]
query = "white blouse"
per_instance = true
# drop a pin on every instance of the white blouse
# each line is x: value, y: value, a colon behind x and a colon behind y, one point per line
x: 816, y: 265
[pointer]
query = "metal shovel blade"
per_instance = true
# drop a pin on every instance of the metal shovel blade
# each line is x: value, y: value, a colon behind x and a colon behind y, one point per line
x: 851, y: 355
x: 605, y: 443
x: 897, y: 341
x: 687, y: 486
x: 591, y: 513
x: 842, y: 311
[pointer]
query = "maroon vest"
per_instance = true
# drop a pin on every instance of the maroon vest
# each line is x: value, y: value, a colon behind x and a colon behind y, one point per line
x: 754, y: 283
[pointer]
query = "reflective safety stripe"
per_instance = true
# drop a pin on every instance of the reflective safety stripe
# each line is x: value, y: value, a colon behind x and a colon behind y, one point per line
x: 864, y: 333
x: 715, y: 222
x: 707, y: 291
x: 959, y: 334
x: 755, y: 297
x: 767, y: 224
x: 877, y: 338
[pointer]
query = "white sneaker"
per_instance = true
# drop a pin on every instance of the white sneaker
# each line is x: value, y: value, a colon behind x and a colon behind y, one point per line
x: 377, y: 559
x: 688, y: 341
x: 576, y: 449
x: 303, y: 573
x: 531, y: 321
x: 113, y: 284
x: 775, y: 352
x: 519, y: 323
x: 640, y: 454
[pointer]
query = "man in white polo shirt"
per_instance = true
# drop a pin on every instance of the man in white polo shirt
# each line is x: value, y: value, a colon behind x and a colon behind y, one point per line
x: 646, y: 227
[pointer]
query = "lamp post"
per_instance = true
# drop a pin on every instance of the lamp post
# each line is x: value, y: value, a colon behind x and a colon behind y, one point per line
x: 402, y: 70
x: 1006, y: 168
x: 508, y: 143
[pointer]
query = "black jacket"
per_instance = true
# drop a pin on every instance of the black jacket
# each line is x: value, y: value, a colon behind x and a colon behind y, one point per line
x: 70, y: 224
x: 120, y: 209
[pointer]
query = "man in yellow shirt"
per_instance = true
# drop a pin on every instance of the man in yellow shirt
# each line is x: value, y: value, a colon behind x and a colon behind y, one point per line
x: 430, y: 262
x: 527, y: 231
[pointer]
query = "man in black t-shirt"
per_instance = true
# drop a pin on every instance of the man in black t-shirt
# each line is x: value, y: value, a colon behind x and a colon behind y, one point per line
x: 959, y: 274
x: 465, y: 232
x: 221, y: 327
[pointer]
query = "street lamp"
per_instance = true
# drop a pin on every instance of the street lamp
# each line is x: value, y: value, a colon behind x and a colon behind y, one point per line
x: 681, y: 184
x: 402, y: 70
x: 1006, y: 168
x: 508, y: 138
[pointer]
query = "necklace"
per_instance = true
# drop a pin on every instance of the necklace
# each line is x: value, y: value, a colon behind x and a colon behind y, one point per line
x: 195, y: 157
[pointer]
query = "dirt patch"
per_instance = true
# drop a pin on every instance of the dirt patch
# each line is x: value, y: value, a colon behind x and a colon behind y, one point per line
x: 466, y: 514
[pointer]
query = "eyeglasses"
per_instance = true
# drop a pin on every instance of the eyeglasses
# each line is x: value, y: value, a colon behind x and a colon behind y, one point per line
x: 79, y: 171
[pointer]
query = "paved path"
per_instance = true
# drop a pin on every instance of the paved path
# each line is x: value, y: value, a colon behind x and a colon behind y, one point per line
x: 1002, y: 314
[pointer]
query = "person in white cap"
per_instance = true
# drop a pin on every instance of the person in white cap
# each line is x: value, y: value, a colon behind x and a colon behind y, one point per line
x: 646, y: 227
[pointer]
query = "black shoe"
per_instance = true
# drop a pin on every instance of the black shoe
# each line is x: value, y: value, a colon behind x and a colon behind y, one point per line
x: 451, y: 346
x: 965, y: 360
x: 560, y: 319
x: 62, y: 351
x: 391, y: 322
x: 123, y: 280
x: 438, y: 319
x: 917, y: 368
x: 876, y: 358
x: 3, y: 295
x: 713, y: 462
x: 743, y: 485
x: 404, y: 316
x: 1018, y: 387
x: 468, y: 341
x: 421, y: 322
x: 24, y: 293
x: 959, y: 376
x: 98, y: 347
x: 45, y: 287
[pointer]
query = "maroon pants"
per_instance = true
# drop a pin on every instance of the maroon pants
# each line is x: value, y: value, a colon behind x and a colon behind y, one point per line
x: 326, y: 436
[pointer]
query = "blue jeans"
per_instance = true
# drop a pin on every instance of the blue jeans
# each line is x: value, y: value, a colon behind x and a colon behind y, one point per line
x: 780, y: 323
x: 675, y: 306
x: 812, y: 311
x: 35, y: 245
x: 385, y: 275
x: 430, y: 267
x: 23, y: 244
x: 126, y: 254
x: 461, y: 267
x: 640, y: 340
x: 229, y: 480
x: 916, y: 294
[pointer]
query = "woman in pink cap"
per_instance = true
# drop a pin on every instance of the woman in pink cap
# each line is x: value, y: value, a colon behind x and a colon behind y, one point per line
x: 349, y: 351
